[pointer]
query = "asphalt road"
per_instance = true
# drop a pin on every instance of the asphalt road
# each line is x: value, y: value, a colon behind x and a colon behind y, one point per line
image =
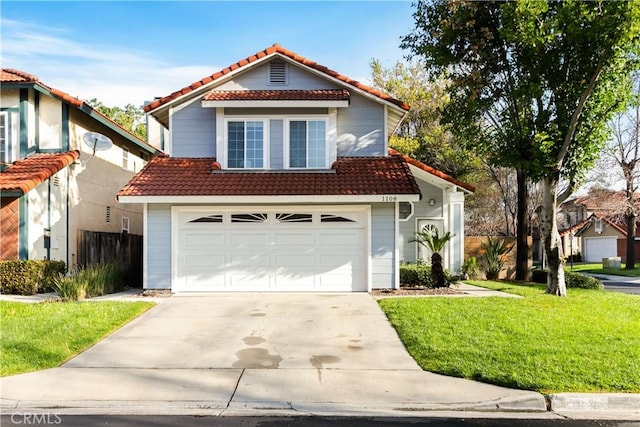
x: 624, y: 287
x: 233, y: 421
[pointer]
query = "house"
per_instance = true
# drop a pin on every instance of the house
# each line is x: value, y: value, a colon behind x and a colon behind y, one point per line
x: 593, y: 227
x: 279, y: 178
x: 53, y: 185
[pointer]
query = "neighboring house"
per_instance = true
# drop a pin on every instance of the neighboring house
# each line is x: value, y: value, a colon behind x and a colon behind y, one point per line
x: 592, y: 227
x: 596, y: 238
x: 52, y: 184
x: 279, y: 179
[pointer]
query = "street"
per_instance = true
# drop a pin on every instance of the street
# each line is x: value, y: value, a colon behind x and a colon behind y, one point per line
x: 306, y: 421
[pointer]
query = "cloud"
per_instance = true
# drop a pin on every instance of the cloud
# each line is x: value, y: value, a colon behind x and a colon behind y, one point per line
x: 114, y: 75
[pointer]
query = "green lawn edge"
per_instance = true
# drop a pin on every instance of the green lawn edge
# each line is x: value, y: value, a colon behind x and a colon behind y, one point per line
x: 45, y: 335
x: 586, y: 342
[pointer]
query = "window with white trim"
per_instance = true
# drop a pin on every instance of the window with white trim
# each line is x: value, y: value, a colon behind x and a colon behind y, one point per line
x: 307, y: 143
x: 125, y: 157
x: 4, y: 137
x: 245, y: 144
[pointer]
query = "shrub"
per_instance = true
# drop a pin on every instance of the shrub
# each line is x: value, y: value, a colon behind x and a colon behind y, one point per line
x: 571, y: 279
x: 28, y: 277
x: 92, y: 281
x: 577, y: 280
x: 493, y: 252
x: 470, y: 268
x: 415, y: 275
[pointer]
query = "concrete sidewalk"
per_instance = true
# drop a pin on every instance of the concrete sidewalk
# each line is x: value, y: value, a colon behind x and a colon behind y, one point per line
x: 273, y: 354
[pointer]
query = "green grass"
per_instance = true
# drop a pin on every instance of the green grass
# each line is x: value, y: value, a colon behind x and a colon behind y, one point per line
x: 44, y: 335
x: 596, y: 268
x: 587, y: 342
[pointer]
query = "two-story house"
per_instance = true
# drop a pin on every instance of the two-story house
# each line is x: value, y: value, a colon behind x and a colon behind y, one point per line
x: 279, y: 178
x: 53, y: 184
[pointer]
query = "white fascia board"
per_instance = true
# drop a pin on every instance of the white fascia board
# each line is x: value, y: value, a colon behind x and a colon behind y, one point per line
x: 342, y: 83
x: 276, y: 104
x: 207, y: 87
x: 435, y: 180
x: 373, y: 198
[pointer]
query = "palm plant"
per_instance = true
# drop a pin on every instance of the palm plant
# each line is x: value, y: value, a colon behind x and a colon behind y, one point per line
x: 493, y: 254
x: 430, y: 238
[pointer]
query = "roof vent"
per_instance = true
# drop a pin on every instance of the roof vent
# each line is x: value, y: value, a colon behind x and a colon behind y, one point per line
x: 278, y: 73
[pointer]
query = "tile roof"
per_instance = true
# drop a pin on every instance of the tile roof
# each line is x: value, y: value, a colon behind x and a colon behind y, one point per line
x: 11, y: 76
x: 175, y: 176
x: 275, y: 49
x: 279, y: 95
x: 434, y: 171
x: 26, y: 174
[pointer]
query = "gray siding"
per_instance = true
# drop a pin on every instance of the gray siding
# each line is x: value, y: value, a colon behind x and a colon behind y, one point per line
x: 193, y: 132
x: 158, y: 247
x: 382, y: 245
x: 298, y: 78
x: 276, y: 143
x: 421, y: 209
x: 361, y: 128
x: 273, y: 111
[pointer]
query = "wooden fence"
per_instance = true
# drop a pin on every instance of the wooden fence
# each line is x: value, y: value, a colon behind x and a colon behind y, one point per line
x: 472, y: 248
x: 102, y: 248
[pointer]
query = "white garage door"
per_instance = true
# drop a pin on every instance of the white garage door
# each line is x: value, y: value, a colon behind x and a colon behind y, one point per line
x: 270, y: 249
x: 597, y: 248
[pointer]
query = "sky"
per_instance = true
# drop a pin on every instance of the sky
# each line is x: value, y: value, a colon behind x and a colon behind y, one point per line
x: 130, y: 52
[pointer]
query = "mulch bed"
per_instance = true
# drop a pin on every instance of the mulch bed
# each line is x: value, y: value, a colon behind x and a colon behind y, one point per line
x: 418, y: 290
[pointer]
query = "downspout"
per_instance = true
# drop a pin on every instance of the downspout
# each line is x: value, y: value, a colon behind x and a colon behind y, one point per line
x: 65, y: 147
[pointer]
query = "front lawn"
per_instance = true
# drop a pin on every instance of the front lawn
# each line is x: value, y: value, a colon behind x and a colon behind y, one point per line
x: 596, y: 268
x: 587, y: 342
x: 39, y: 336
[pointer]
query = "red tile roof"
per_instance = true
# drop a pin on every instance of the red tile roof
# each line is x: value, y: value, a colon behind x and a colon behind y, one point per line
x: 434, y: 171
x: 12, y: 76
x: 26, y: 174
x: 174, y: 176
x: 275, y: 49
x: 278, y: 95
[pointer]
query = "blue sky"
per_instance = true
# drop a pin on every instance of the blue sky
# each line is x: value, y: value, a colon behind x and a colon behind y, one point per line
x: 129, y: 52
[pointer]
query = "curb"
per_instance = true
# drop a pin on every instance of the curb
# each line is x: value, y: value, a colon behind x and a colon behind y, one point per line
x: 614, y: 402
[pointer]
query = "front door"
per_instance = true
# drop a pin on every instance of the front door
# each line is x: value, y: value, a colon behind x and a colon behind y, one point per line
x: 431, y: 225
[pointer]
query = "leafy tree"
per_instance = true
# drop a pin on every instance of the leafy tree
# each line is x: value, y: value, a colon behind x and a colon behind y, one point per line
x: 421, y: 134
x: 130, y: 117
x: 534, y: 82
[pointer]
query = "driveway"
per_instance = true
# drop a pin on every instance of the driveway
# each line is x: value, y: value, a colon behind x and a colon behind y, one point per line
x: 306, y: 353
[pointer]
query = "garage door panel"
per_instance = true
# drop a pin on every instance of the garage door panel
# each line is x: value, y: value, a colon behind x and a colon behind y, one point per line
x: 272, y: 254
x: 194, y: 239
x: 598, y: 248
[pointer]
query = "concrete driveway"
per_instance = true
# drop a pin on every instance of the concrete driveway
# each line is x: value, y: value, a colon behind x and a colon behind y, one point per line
x: 220, y: 353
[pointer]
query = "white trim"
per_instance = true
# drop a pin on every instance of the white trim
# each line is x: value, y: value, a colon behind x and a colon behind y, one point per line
x: 265, y: 141
x: 368, y: 252
x: 277, y: 103
x: 7, y: 141
x: 434, y: 179
x: 145, y: 246
x: 385, y: 129
x: 169, y: 142
x: 332, y: 136
x: 221, y: 149
x: 396, y: 252
x: 286, y: 146
x: 279, y: 199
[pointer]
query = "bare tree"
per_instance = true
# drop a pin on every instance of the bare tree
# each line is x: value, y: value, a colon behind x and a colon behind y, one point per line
x: 624, y: 152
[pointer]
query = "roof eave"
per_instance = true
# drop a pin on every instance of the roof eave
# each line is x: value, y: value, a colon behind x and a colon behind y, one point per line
x: 279, y: 199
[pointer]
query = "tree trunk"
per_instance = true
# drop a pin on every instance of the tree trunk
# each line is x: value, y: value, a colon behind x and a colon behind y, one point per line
x: 631, y: 242
x: 551, y: 238
x: 522, y: 231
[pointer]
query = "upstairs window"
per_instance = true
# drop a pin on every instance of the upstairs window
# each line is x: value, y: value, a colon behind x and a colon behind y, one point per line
x: 307, y: 143
x: 4, y: 138
x: 245, y: 144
